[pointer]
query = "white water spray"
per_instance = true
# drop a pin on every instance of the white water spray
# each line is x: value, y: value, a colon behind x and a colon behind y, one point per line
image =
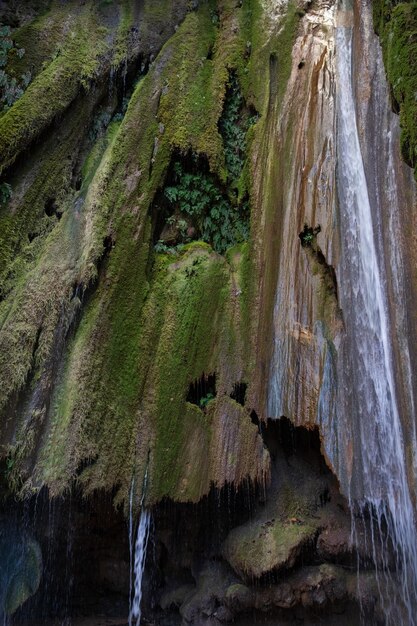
x: 379, y: 477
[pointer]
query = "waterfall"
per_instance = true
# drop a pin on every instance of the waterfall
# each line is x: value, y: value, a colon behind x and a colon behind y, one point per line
x: 139, y: 566
x: 369, y: 400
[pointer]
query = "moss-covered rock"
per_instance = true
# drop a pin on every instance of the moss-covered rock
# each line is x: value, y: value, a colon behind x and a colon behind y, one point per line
x: 396, y: 24
x: 100, y: 336
x: 259, y: 549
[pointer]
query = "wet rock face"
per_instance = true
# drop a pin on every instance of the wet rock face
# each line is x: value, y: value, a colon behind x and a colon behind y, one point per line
x: 291, y: 558
x: 16, y: 13
x: 266, y: 553
x: 21, y: 566
x: 63, y: 559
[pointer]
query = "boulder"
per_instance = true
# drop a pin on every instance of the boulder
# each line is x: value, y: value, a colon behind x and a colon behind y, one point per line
x: 260, y: 547
x: 21, y: 568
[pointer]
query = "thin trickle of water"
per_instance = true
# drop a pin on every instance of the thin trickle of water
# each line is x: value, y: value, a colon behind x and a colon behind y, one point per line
x: 139, y: 566
x: 379, y: 484
x: 131, y: 542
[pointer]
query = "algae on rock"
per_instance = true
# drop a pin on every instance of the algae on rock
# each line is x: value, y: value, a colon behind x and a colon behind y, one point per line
x: 101, y: 336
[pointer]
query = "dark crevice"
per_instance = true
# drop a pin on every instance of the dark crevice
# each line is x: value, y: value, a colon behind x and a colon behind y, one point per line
x: 108, y: 245
x: 203, y: 390
x: 32, y: 237
x: 308, y: 235
x: 273, y: 79
x: 51, y: 208
x: 308, y: 239
x: 239, y: 393
x: 280, y: 435
x: 257, y: 422
x: 255, y: 419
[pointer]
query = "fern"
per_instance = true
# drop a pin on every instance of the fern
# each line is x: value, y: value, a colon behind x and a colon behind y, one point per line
x: 199, y: 196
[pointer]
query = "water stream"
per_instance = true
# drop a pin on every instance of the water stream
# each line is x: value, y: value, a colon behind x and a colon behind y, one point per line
x: 139, y: 566
x: 354, y: 379
x: 368, y: 396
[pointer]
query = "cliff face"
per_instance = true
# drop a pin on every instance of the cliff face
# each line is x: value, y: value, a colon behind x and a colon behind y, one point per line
x: 106, y: 327
x: 177, y: 264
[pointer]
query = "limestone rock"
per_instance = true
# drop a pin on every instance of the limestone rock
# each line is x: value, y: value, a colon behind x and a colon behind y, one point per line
x: 209, y: 598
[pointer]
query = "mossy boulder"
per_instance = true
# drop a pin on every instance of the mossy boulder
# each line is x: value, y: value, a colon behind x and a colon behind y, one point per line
x: 256, y: 549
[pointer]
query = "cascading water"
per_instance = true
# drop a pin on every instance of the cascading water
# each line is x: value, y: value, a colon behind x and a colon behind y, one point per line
x: 139, y: 566
x: 369, y: 398
x: 351, y: 374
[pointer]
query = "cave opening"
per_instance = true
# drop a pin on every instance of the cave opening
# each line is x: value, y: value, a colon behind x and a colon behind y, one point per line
x: 194, y: 203
x: 85, y: 548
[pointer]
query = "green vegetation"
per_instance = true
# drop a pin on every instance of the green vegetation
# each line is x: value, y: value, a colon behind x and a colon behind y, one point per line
x: 113, y: 335
x: 5, y: 193
x: 205, y: 400
x: 10, y: 88
x: 309, y: 235
x: 199, y: 197
x: 396, y: 24
x: 216, y: 213
x: 234, y: 124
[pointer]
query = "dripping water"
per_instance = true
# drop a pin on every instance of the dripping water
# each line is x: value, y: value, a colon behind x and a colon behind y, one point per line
x: 131, y: 541
x: 379, y: 486
x: 139, y: 566
x: 138, y: 556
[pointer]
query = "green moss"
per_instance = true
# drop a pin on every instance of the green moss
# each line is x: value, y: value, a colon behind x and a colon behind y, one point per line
x: 185, y: 352
x: 73, y: 68
x: 397, y: 27
x: 23, y: 222
x: 41, y: 39
x: 256, y: 549
x: 126, y: 22
x: 278, y: 44
x: 148, y: 324
x: 187, y: 107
